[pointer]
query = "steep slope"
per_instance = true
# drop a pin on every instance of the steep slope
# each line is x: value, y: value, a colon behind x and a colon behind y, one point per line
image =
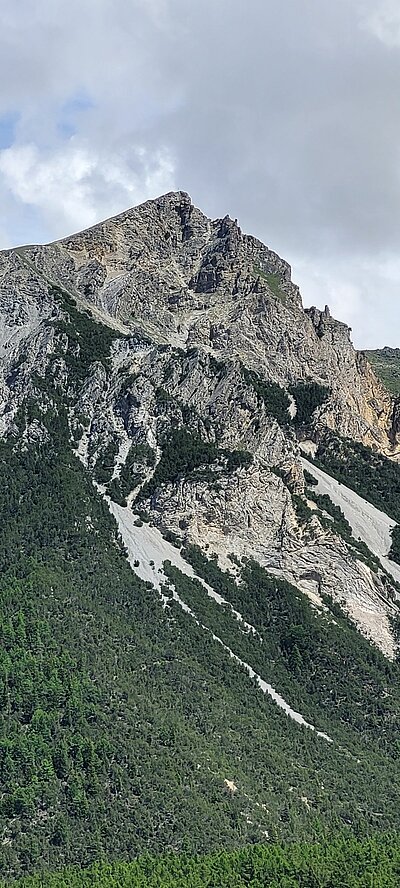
x: 204, y: 342
x: 124, y: 723
x: 188, y: 281
x: 368, y: 523
x: 176, y: 611
x: 386, y: 363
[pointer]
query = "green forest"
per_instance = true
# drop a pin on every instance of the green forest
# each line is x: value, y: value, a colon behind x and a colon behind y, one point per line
x: 370, y: 474
x: 187, y: 455
x: 126, y: 728
x: 386, y: 363
x: 121, y: 721
x: 307, y: 650
x: 339, y: 863
x: 308, y: 396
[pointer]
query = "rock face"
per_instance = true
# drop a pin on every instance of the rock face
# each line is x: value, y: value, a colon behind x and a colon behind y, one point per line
x: 197, y: 311
x: 167, y: 270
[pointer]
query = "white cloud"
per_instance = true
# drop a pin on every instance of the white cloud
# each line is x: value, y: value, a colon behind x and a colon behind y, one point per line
x: 321, y: 286
x: 363, y: 294
x: 75, y: 186
x: 283, y: 114
x: 383, y: 22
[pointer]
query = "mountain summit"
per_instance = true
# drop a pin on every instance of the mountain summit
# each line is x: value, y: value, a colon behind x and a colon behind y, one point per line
x: 167, y: 270
x: 199, y: 548
x: 206, y: 334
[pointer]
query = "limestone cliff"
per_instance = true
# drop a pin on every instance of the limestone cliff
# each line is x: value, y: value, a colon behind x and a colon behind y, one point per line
x: 165, y: 269
x: 199, y: 317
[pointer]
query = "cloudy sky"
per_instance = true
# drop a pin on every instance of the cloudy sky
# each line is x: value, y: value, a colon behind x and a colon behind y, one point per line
x: 282, y: 113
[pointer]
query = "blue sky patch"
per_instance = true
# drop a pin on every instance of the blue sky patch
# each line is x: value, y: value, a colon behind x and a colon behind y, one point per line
x: 67, y: 122
x: 21, y: 226
x: 8, y: 123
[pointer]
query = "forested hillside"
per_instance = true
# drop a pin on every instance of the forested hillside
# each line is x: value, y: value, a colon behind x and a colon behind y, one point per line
x: 386, y: 363
x: 370, y: 474
x: 181, y: 663
x: 344, y: 862
x: 125, y: 727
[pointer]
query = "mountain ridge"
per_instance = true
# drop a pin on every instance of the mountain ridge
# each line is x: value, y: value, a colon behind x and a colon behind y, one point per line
x: 191, y: 281
x: 202, y: 376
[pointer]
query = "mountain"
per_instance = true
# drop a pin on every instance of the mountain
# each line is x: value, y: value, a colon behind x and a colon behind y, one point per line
x: 165, y: 270
x: 386, y: 363
x: 199, y: 550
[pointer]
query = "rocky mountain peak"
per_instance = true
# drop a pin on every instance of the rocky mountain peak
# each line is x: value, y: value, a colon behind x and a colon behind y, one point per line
x: 162, y: 320
x: 166, y: 270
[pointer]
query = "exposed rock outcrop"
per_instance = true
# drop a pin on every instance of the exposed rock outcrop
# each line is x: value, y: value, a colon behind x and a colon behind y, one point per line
x: 186, y: 280
x: 193, y: 304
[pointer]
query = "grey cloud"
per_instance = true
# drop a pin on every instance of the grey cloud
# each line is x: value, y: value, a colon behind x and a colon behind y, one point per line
x: 283, y: 113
